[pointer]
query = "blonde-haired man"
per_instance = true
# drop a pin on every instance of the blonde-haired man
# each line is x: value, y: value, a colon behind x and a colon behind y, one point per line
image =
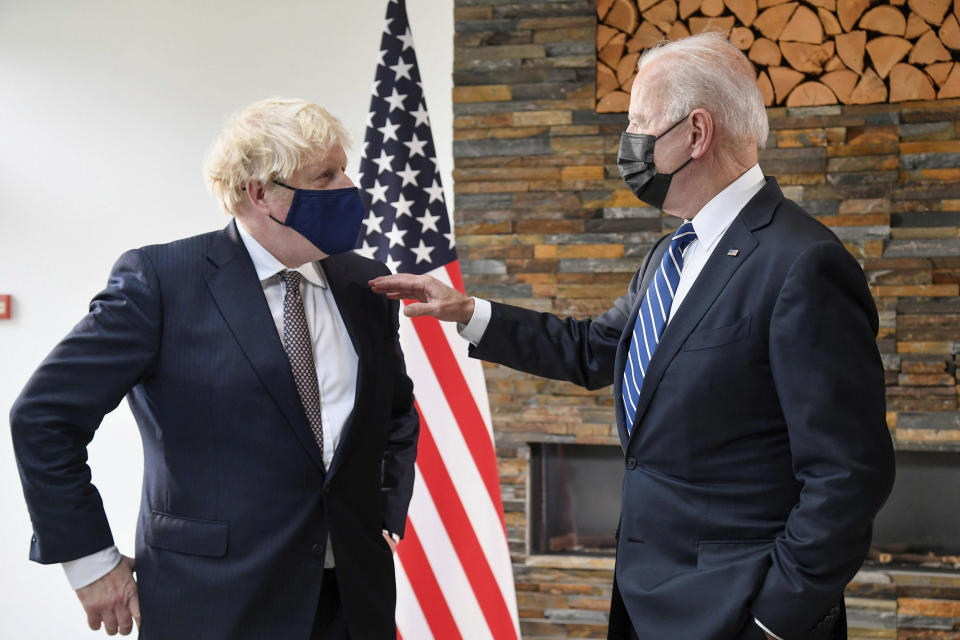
x: 277, y: 419
x: 748, y: 387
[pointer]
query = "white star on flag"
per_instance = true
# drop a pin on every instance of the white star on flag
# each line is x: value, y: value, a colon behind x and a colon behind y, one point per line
x: 392, y: 264
x: 381, y: 62
x: 370, y: 120
x: 435, y: 191
x: 396, y: 236
x: 383, y: 162
x: 428, y: 222
x: 395, y: 100
x: 406, y: 39
x: 366, y: 250
x: 409, y: 175
x: 378, y: 192
x: 372, y: 223
x: 422, y: 252
x: 402, y: 69
x: 420, y: 115
x: 450, y: 239
x: 416, y: 145
x: 386, y: 26
x: 389, y: 131
x: 402, y: 205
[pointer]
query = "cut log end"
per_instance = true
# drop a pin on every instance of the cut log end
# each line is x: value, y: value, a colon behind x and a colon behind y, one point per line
x: 909, y: 83
x: 741, y: 38
x: 811, y: 94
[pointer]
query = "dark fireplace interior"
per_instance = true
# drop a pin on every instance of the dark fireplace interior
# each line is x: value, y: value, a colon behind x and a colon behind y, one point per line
x: 575, y: 504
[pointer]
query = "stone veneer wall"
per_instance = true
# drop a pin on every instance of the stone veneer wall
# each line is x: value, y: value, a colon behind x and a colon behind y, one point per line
x: 543, y: 221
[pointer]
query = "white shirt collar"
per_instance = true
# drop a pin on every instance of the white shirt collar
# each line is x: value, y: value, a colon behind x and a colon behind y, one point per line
x: 715, y: 216
x: 267, y: 266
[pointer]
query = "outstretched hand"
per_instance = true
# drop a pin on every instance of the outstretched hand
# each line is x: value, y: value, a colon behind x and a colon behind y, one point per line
x: 434, y: 298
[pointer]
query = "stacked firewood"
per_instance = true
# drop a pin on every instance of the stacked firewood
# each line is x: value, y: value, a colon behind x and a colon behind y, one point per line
x: 807, y: 52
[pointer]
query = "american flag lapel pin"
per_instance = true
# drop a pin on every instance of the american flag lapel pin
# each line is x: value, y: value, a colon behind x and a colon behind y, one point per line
x: 733, y: 252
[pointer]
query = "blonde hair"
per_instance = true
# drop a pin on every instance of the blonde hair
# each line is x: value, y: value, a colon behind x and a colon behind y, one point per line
x: 706, y: 71
x: 270, y: 139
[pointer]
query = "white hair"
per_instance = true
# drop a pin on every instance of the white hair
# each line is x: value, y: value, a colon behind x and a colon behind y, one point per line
x: 706, y: 71
x: 269, y: 139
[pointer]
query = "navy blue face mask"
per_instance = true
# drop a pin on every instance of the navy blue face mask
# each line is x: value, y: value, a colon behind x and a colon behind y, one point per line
x: 329, y: 218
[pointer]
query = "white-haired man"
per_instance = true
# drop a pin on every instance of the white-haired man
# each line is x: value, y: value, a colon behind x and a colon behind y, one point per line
x: 277, y: 419
x: 749, y: 389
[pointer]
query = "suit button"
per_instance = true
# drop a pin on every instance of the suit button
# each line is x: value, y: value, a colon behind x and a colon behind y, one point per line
x: 317, y: 550
x: 631, y: 463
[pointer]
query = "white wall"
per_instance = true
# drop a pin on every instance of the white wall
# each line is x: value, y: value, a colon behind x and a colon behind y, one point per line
x: 106, y: 110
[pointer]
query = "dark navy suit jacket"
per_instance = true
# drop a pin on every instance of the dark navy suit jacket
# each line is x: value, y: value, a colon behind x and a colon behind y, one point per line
x: 236, y: 504
x: 760, y: 454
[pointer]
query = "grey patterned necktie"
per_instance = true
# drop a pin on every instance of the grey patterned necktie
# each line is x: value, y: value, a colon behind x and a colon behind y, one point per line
x: 299, y: 348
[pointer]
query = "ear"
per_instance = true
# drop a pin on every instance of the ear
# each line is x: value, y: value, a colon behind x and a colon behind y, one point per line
x: 256, y: 194
x: 701, y: 132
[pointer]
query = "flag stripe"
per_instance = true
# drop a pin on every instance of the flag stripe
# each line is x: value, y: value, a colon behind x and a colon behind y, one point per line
x: 426, y: 587
x: 464, y: 539
x: 464, y: 408
x: 451, y: 575
x: 456, y: 277
x: 457, y: 459
x: 472, y: 369
x: 411, y: 619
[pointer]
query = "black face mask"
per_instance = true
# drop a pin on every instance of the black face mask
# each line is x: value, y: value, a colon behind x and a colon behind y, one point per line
x: 635, y: 162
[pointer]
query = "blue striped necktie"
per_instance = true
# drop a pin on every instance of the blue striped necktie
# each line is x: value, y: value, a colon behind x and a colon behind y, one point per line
x: 652, y: 318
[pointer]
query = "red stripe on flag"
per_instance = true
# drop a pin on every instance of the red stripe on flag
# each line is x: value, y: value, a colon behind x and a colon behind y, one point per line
x: 464, y: 538
x: 456, y: 278
x: 425, y: 587
x: 462, y: 404
x: 399, y: 637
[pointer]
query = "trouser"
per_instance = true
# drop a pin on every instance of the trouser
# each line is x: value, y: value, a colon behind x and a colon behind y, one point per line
x: 329, y: 623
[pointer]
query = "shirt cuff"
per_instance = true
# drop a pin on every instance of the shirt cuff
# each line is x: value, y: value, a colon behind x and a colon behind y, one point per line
x: 474, y: 330
x: 771, y: 633
x: 88, y: 569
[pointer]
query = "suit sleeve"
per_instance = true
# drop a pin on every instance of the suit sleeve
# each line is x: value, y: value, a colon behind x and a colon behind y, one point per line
x: 578, y: 351
x: 54, y: 418
x: 401, y: 452
x: 830, y: 383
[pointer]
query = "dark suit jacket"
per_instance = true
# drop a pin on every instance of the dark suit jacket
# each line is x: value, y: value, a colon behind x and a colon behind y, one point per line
x: 236, y: 504
x: 760, y: 454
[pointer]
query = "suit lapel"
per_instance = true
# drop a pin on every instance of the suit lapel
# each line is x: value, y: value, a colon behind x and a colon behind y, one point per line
x: 714, y: 276
x: 238, y: 294
x: 350, y: 303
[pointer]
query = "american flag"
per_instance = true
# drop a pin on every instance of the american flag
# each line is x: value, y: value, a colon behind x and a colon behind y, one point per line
x: 454, y: 577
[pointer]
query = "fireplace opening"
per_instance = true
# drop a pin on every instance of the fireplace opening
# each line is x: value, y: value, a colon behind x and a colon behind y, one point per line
x: 575, y: 505
x: 920, y: 523
x: 575, y: 498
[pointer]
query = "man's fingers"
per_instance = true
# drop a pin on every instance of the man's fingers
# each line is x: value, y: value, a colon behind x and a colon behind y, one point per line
x: 417, y: 309
x: 403, y: 285
x: 135, y: 609
x: 93, y: 620
x: 110, y: 622
x: 124, y: 620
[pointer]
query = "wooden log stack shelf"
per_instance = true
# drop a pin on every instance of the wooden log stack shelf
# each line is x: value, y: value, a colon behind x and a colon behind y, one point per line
x: 807, y: 52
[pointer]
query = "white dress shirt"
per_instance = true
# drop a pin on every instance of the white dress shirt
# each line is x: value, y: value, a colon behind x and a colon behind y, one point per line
x: 710, y: 223
x: 336, y: 374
